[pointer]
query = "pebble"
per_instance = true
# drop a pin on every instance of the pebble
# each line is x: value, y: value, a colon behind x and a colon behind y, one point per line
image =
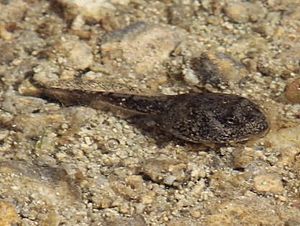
x: 237, y: 12
x: 8, y: 214
x: 75, y: 53
x: 224, y: 183
x: 268, y: 183
x: 243, y: 157
x: 90, y: 10
x: 288, y: 156
x: 180, y: 14
x: 104, y: 198
x: 14, y: 10
x: 241, y: 12
x: 36, y: 187
x: 243, y: 211
x: 284, y: 138
x: 165, y: 170
x: 4, y: 33
x: 3, y: 134
x: 135, y: 220
x: 249, y: 46
x: 292, y: 91
x: 35, y: 125
x: 142, y: 46
x: 8, y: 53
x: 14, y: 103
x: 215, y: 69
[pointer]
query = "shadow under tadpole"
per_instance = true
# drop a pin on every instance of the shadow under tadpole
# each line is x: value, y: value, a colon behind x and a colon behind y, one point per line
x: 149, y: 128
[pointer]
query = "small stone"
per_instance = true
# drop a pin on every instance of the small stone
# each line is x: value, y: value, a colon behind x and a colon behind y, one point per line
x: 136, y: 220
x: 103, y: 200
x: 268, y: 183
x: 90, y: 10
x: 8, y: 214
x: 13, y: 10
x: 215, y: 69
x: 195, y: 213
x: 3, y: 134
x: 141, y: 45
x: 14, y: 103
x: 237, y: 12
x: 242, y: 158
x: 147, y: 198
x: 265, y: 29
x: 292, y: 91
x: 225, y: 183
x: 4, y: 34
x: 34, y: 125
x: 75, y: 53
x: 135, y: 181
x: 292, y: 222
x: 49, y: 188
x: 181, y: 14
x: 198, y: 189
x: 285, y: 138
x: 241, y: 12
x: 288, y: 156
x: 8, y: 53
x: 125, y: 191
x: 166, y: 171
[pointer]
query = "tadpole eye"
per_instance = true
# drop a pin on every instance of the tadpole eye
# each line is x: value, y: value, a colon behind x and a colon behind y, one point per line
x: 230, y: 121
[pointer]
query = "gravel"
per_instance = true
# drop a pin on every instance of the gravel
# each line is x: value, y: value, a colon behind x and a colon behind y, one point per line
x: 80, y: 166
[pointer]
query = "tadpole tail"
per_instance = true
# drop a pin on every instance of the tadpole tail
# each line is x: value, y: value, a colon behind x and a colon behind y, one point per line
x: 72, y: 97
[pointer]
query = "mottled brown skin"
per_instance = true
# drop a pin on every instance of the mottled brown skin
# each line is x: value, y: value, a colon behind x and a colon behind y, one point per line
x: 209, y: 118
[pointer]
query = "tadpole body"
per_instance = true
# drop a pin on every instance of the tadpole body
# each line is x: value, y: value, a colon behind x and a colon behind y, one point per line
x: 209, y: 118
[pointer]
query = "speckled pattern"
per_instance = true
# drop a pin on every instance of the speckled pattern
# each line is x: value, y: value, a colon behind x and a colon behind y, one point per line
x: 204, y: 118
x: 74, y: 165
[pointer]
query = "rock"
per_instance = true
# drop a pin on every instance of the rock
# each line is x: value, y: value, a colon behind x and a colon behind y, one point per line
x: 104, y: 198
x: 268, y: 183
x: 4, y: 33
x: 292, y: 91
x: 241, y: 12
x: 292, y: 222
x: 14, y: 103
x: 182, y: 222
x: 8, y: 53
x: 249, y: 46
x: 75, y: 53
x: 136, y: 220
x: 284, y: 138
x: 3, y: 134
x: 46, y: 72
x: 90, y: 10
x: 224, y: 183
x: 265, y: 29
x: 288, y: 156
x: 8, y: 214
x: 13, y: 10
x: 30, y: 41
x: 142, y: 46
x: 290, y: 55
x: 215, y: 69
x: 243, y: 157
x: 34, y: 125
x: 48, y: 188
x: 170, y: 172
x: 6, y: 120
x: 243, y: 211
x: 181, y: 14
x: 237, y: 12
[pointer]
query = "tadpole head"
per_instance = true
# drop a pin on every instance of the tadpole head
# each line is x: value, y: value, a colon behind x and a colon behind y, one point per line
x: 214, y: 118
